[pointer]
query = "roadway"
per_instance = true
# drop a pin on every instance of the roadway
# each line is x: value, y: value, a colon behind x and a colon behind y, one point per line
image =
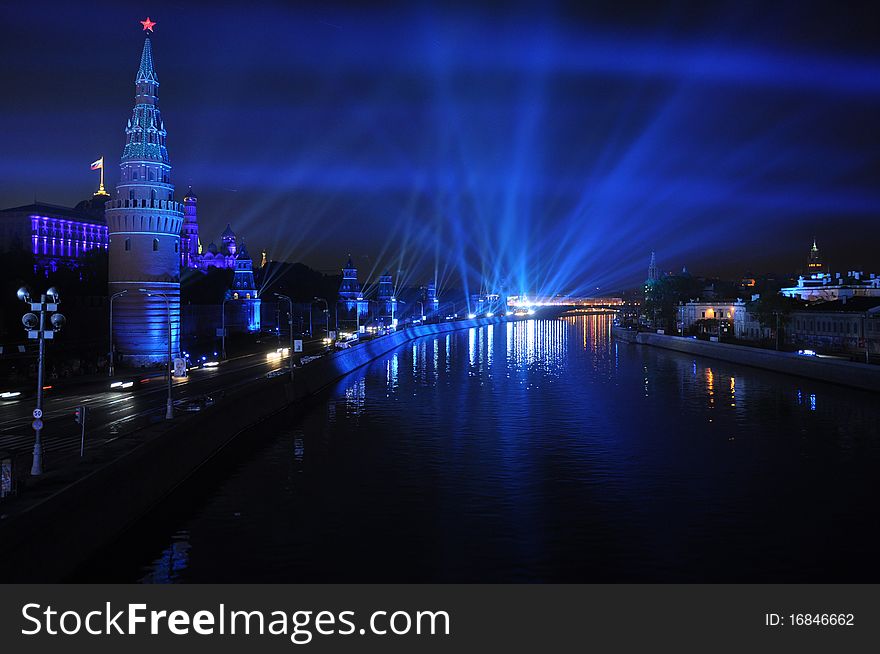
x: 114, y: 412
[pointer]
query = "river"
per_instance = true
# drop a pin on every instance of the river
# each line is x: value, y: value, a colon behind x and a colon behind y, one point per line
x: 534, y: 451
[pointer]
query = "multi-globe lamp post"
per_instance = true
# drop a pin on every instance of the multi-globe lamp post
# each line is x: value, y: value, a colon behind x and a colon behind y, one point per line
x: 35, y: 325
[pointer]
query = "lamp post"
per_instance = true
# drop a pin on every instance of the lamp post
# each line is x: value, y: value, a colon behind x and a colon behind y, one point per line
x: 290, y: 327
x: 112, y: 357
x: 422, y: 309
x: 326, y: 313
x: 36, y: 330
x: 169, y: 405
x: 223, y: 328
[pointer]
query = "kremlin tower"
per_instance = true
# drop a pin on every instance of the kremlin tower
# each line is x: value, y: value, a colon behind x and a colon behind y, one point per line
x: 144, y: 225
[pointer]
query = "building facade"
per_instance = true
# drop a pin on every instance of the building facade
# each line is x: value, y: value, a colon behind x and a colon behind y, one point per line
x: 144, y: 225
x: 850, y: 325
x: 827, y: 287
x: 716, y: 318
x: 56, y: 236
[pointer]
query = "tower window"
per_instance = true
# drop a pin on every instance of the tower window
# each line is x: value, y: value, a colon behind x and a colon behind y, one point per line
x: 155, y: 245
x: 127, y: 244
x: 176, y: 246
x: 134, y: 174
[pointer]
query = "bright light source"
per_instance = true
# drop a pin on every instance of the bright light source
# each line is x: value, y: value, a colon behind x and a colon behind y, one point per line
x: 489, y: 314
x: 273, y: 356
x: 211, y: 364
x: 116, y: 385
x: 127, y: 384
x: 472, y: 316
x: 9, y: 394
x: 531, y: 312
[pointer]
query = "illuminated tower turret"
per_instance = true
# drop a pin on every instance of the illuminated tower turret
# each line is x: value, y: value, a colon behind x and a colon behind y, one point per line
x: 350, y: 288
x: 244, y: 289
x: 653, y: 272
x: 144, y: 225
x: 385, y: 296
x: 190, y: 248
x: 353, y: 306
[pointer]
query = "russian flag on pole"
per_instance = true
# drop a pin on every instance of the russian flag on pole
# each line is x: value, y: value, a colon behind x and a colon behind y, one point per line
x: 98, y: 164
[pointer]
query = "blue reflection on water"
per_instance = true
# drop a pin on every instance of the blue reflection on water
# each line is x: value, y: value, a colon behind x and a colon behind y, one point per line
x: 542, y: 450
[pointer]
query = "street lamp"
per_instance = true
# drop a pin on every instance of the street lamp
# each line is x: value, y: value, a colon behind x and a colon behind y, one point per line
x: 223, y: 328
x: 36, y: 330
x: 169, y: 406
x: 326, y: 313
x: 290, y: 327
x: 113, y: 297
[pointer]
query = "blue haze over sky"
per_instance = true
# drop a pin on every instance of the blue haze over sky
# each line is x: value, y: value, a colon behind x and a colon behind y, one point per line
x: 554, y: 146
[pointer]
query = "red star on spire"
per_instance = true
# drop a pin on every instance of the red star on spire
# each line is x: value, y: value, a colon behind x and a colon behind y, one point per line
x: 148, y: 24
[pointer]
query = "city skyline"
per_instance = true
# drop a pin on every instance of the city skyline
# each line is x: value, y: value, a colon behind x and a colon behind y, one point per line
x: 550, y: 164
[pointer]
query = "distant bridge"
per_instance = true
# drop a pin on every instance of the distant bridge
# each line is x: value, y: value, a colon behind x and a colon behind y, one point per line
x: 561, y: 304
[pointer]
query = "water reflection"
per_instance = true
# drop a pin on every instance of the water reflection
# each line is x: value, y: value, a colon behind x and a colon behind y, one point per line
x: 542, y: 451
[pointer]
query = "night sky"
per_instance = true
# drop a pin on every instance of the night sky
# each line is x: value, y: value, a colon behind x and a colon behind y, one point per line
x: 551, y: 146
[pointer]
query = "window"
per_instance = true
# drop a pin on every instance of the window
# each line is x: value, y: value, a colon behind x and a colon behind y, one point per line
x: 134, y: 174
x: 176, y: 246
x: 127, y: 244
x: 155, y: 245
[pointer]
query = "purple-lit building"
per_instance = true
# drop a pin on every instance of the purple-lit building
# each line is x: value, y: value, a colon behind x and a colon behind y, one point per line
x: 56, y: 235
x: 192, y: 255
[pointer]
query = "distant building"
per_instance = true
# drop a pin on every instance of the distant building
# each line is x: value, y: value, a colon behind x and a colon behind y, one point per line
x: 653, y: 271
x: 56, y: 235
x: 386, y: 299
x: 192, y: 255
x: 432, y: 302
x: 849, y: 325
x: 351, y: 301
x: 244, y: 294
x: 826, y: 287
x: 709, y: 317
x: 814, y: 261
x: 747, y: 326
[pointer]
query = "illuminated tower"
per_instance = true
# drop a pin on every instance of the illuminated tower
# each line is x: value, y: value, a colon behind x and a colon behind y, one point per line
x: 244, y: 290
x: 190, y: 248
x: 653, y: 272
x: 350, y: 288
x: 814, y: 262
x: 351, y: 295
x: 385, y: 297
x: 432, y: 302
x: 144, y: 224
x: 227, y: 238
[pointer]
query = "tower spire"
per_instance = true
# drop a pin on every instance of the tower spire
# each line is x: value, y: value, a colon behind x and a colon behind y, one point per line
x: 145, y: 72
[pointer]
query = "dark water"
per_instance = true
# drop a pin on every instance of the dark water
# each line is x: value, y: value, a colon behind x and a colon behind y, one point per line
x: 539, y: 451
